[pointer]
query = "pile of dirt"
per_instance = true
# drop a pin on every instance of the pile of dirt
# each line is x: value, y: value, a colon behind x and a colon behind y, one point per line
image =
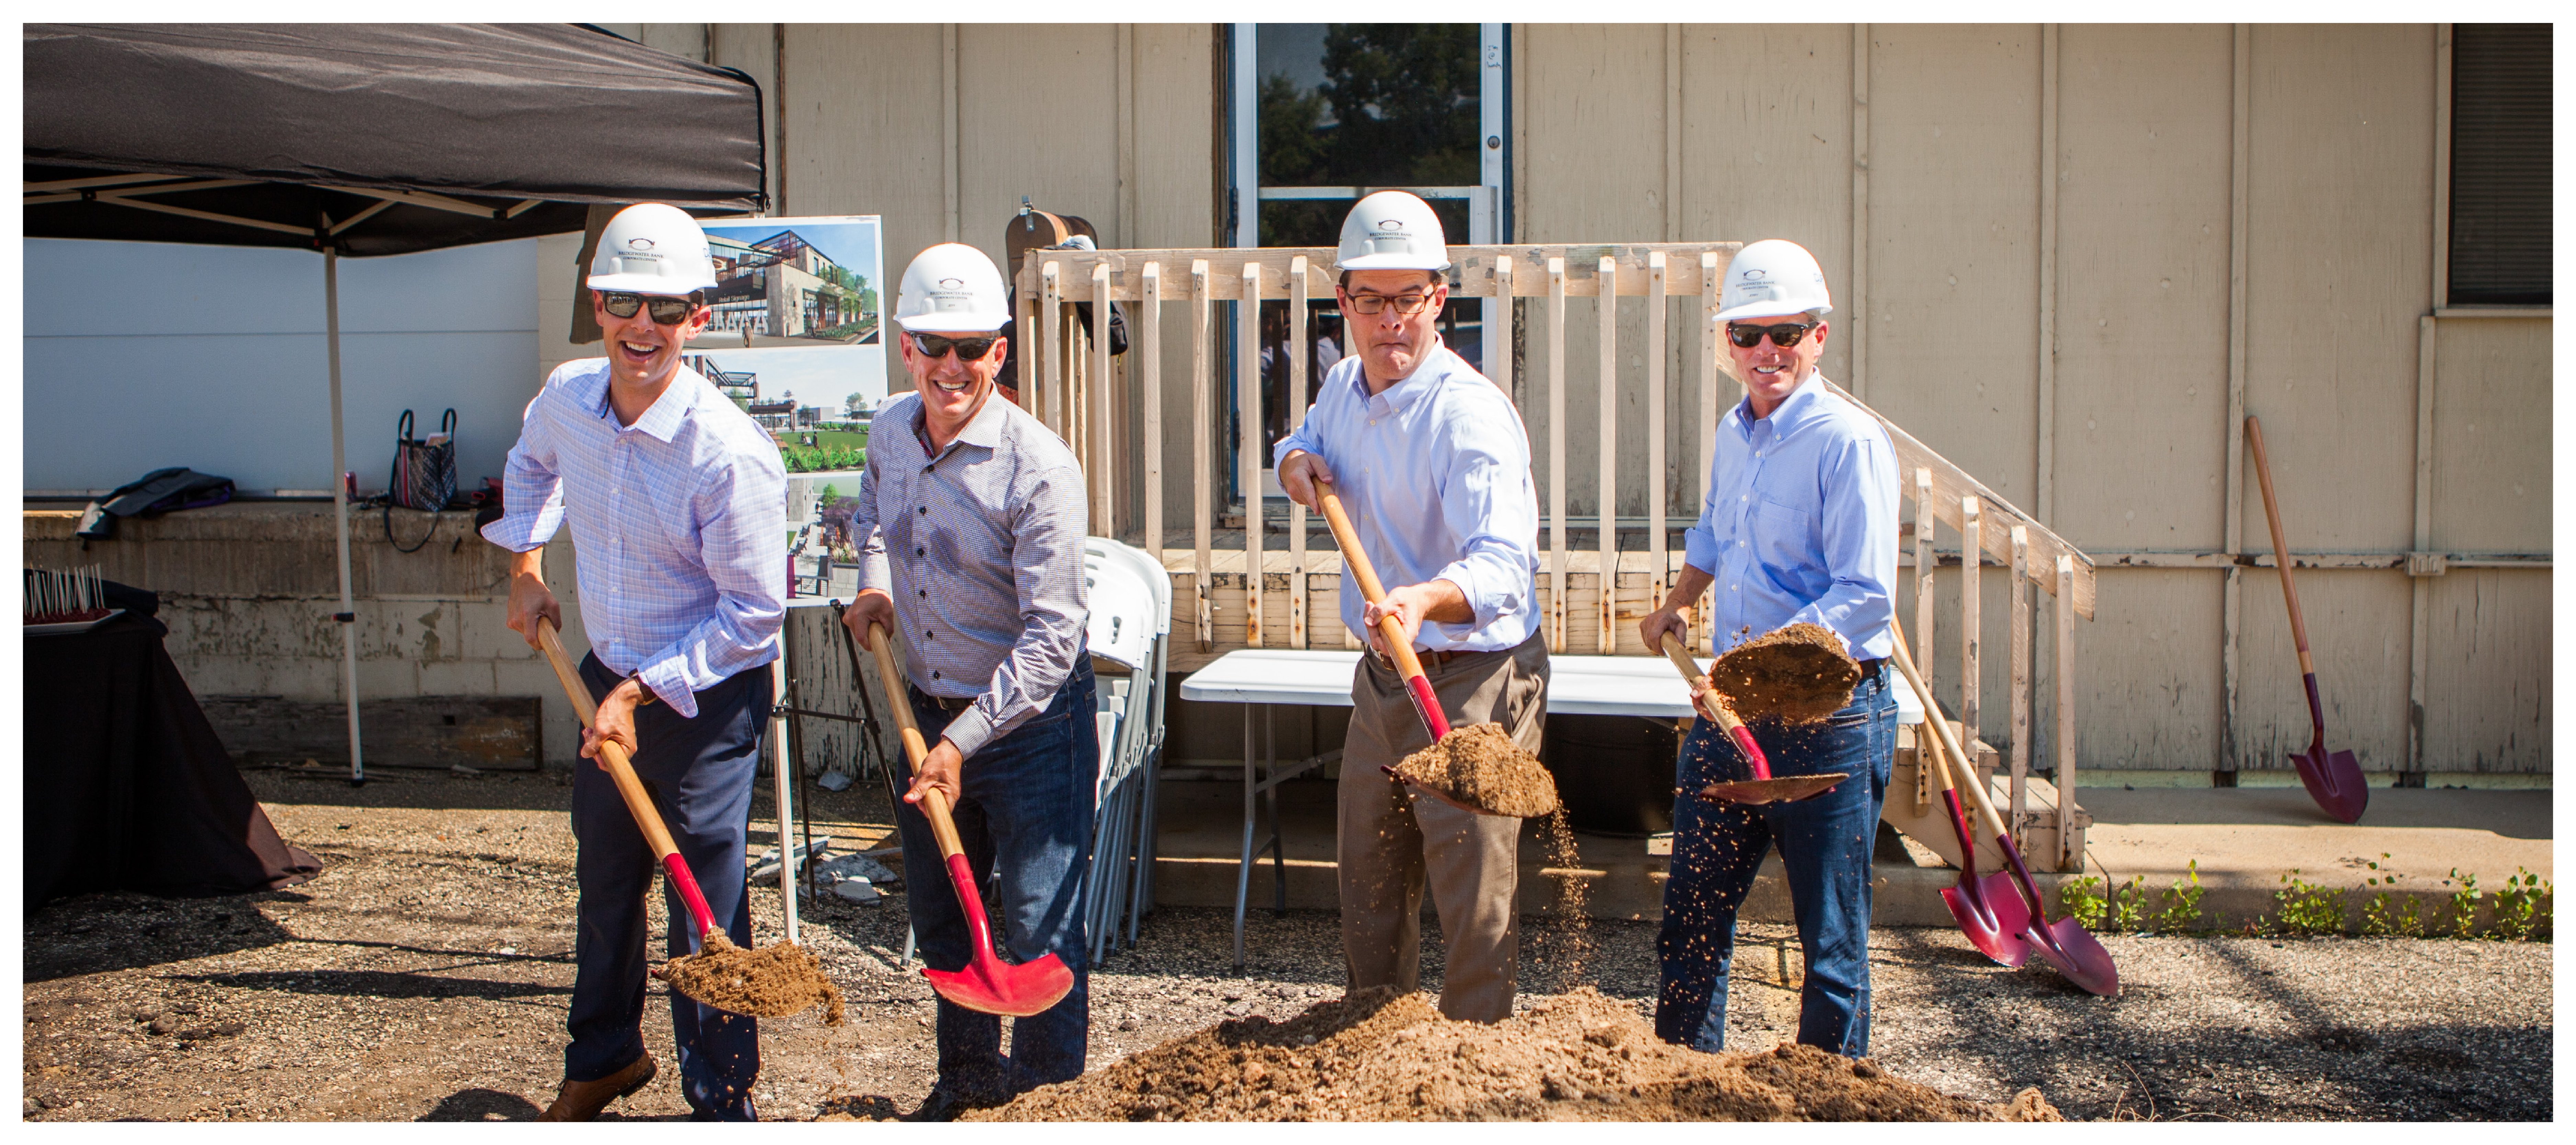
x: 1479, y: 765
x: 773, y: 981
x: 1798, y: 673
x: 1381, y: 1056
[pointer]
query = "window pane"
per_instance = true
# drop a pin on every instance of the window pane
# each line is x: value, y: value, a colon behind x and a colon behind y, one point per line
x: 1368, y: 105
x: 2500, y: 122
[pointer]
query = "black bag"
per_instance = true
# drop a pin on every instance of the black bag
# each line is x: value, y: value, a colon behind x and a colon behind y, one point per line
x: 160, y: 491
x: 424, y: 475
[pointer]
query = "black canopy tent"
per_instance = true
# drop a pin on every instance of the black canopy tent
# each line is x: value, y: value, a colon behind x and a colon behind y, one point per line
x: 370, y: 139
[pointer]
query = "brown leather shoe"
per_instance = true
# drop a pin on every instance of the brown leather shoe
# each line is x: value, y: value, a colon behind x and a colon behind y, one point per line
x: 582, y: 1100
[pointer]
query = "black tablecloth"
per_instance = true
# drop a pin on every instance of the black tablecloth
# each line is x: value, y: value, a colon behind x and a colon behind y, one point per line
x: 127, y: 786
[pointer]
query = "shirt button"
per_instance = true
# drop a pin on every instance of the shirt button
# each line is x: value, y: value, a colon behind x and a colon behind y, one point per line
x: 916, y: 551
x: 927, y: 634
x: 934, y: 674
x: 925, y: 594
x: 1746, y: 497
x: 925, y: 510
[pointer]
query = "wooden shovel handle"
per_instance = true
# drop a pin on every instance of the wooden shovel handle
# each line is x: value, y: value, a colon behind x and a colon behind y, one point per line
x: 915, y: 749
x: 2280, y: 547
x: 1356, y: 560
x: 621, y: 771
x: 1945, y: 747
x: 1717, y: 706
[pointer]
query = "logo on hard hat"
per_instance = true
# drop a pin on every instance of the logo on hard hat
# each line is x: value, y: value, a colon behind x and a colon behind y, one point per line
x: 640, y: 243
x: 1754, y: 273
x: 952, y: 284
x: 1390, y: 224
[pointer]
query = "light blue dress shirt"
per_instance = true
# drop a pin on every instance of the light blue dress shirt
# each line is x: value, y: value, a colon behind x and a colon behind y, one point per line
x: 1435, y: 474
x: 1800, y: 523
x: 679, y: 526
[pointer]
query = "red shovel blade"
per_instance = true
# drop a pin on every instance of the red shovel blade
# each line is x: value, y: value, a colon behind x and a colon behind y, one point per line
x: 2066, y: 945
x: 1778, y: 789
x: 1990, y: 912
x: 987, y: 984
x: 2334, y: 780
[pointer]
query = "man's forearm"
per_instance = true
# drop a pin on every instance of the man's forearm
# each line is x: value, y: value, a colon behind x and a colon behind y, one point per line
x: 1687, y: 588
x: 530, y: 563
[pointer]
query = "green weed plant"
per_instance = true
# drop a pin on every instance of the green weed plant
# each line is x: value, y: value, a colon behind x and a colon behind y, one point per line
x: 2307, y: 908
x: 2464, y: 904
x: 2522, y: 908
x: 2390, y: 914
x: 2180, y: 913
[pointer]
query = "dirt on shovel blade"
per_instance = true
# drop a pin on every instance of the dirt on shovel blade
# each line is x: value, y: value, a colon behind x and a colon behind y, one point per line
x: 1480, y: 766
x: 770, y: 982
x: 1798, y: 673
x: 1383, y: 1056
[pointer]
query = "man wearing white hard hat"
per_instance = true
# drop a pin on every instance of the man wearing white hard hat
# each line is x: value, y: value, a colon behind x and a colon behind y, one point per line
x: 971, y: 516
x: 678, y: 508
x: 1432, y: 464
x: 1799, y: 526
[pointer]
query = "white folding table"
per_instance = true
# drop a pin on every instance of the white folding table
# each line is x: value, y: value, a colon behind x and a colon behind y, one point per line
x: 1268, y: 678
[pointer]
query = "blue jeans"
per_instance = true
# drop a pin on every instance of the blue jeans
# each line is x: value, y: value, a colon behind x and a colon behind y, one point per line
x: 1024, y: 816
x: 1825, y: 846
x: 699, y: 774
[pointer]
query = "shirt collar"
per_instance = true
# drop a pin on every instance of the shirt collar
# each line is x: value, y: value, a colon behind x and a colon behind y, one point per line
x: 983, y: 430
x: 661, y: 420
x: 1803, y: 405
x: 1426, y: 374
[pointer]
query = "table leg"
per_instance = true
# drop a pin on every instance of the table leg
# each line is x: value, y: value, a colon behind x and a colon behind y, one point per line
x: 1243, y: 868
x: 1278, y: 830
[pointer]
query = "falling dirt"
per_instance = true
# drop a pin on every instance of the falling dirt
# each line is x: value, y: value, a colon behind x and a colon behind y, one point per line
x: 1383, y: 1056
x: 1563, y: 942
x: 1479, y: 765
x: 773, y: 981
x: 1798, y: 673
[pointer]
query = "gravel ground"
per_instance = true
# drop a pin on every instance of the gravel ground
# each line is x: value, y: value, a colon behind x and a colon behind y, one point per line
x: 424, y: 976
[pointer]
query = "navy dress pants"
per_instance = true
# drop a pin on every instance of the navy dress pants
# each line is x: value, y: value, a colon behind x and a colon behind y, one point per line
x: 1825, y: 844
x: 699, y: 774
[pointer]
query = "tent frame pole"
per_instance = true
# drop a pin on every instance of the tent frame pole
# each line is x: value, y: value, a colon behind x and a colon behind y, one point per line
x: 347, y: 616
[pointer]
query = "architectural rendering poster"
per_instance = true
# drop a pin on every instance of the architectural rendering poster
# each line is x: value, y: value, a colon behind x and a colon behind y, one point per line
x: 797, y: 340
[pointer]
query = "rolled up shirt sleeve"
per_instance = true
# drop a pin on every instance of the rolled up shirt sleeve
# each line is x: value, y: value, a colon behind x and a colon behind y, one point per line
x: 532, y: 504
x: 741, y: 512
x: 1487, y: 501
x: 1859, y: 546
x: 1047, y: 528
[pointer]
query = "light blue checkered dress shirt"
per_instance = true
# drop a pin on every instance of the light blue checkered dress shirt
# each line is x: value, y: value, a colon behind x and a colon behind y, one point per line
x: 981, y: 547
x: 679, y: 526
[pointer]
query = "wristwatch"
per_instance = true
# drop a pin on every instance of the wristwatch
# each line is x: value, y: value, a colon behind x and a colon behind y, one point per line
x: 636, y: 678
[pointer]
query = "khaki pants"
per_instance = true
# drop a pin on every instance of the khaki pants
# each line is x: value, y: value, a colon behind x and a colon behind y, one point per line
x: 1390, y: 844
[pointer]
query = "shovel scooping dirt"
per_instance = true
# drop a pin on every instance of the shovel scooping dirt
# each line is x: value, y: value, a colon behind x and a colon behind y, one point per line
x: 1382, y: 1056
x: 771, y: 982
x: 1479, y: 768
x: 1489, y: 764
x: 1797, y: 672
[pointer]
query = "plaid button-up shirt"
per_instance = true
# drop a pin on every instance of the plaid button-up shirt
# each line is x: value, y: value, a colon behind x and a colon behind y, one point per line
x: 679, y: 523
x: 981, y: 548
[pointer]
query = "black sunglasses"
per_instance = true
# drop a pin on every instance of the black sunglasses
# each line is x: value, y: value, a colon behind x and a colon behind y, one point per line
x: 968, y: 349
x: 1783, y: 335
x: 666, y: 310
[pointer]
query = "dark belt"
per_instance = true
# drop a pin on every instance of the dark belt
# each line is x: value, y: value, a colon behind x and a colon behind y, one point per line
x: 1429, y: 659
x: 1869, y: 666
x: 945, y: 703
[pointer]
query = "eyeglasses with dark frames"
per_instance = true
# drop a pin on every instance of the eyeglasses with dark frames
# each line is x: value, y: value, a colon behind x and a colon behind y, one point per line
x: 1407, y: 305
x: 968, y: 349
x: 1783, y: 335
x: 666, y: 310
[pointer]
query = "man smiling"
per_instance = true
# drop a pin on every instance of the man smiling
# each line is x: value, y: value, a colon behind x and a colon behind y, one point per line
x: 1799, y: 526
x: 971, y: 516
x: 1432, y: 463
x: 678, y: 508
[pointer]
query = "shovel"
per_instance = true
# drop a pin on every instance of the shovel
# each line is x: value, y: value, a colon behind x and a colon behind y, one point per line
x: 1763, y: 787
x: 2333, y: 779
x: 2064, y: 944
x: 771, y: 982
x: 1989, y: 909
x: 1418, y: 686
x: 987, y: 984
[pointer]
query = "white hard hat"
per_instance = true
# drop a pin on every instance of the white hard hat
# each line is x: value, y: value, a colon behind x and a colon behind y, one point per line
x: 951, y: 288
x: 652, y: 248
x: 1772, y: 278
x: 1392, y: 230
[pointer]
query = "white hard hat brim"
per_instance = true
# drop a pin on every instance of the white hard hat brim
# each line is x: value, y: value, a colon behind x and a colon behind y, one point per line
x: 955, y: 322
x: 645, y: 284
x: 1769, y: 310
x: 1392, y: 262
